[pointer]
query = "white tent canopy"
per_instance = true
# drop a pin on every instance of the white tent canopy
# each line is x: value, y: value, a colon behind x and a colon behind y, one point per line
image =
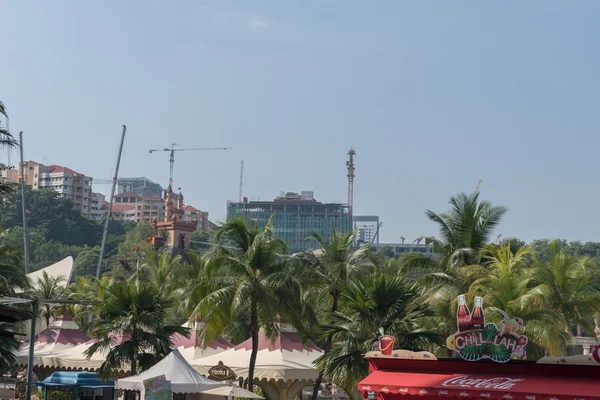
x: 184, y: 378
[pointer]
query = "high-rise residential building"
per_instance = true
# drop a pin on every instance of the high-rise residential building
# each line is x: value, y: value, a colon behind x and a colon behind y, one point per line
x: 143, y: 187
x: 367, y: 227
x: 295, y: 217
x: 69, y: 184
x: 99, y: 208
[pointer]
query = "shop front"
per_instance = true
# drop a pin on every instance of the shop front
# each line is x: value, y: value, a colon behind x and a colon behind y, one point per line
x: 491, y: 364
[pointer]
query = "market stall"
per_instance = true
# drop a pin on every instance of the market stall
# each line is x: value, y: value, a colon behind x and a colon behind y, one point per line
x: 78, y: 385
x: 490, y: 365
x: 181, y: 376
x: 283, y: 366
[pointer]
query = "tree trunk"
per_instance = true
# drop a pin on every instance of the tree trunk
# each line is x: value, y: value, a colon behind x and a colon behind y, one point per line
x: 254, y: 328
x: 327, y: 348
x: 578, y: 330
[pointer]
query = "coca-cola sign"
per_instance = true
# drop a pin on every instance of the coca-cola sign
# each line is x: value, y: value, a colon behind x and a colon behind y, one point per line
x: 476, y: 339
x: 466, y: 382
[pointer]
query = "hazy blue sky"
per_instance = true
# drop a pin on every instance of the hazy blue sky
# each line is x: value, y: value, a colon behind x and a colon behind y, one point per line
x: 433, y: 95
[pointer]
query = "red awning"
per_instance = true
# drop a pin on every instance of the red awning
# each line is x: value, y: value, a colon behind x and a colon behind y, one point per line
x: 484, y: 387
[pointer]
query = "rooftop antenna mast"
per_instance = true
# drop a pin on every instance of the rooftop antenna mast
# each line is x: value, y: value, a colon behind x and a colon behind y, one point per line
x: 350, y: 165
x: 241, y: 179
x: 112, y: 198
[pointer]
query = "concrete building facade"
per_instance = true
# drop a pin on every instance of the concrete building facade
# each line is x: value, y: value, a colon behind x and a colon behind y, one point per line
x: 367, y: 227
x: 69, y: 184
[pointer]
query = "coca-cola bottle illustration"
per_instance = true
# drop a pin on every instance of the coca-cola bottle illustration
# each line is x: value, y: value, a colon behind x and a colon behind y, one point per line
x: 463, y: 316
x: 477, y: 317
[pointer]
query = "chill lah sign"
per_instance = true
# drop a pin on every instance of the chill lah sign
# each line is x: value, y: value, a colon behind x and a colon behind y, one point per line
x: 476, y: 339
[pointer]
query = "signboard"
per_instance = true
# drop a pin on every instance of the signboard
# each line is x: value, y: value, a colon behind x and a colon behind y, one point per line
x: 221, y: 373
x: 476, y: 340
x: 157, y: 388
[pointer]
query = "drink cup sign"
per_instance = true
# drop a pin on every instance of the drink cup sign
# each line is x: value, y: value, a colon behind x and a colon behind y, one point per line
x: 386, y: 343
x: 476, y: 339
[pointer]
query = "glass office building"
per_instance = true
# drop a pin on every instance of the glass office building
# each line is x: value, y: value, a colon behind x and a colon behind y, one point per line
x: 295, y: 217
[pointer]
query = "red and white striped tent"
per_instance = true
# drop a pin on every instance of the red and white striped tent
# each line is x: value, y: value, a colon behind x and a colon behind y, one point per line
x: 283, y: 367
x: 191, y: 348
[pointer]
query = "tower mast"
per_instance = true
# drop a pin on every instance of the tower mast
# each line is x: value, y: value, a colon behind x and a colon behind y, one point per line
x: 350, y: 174
x: 241, y: 179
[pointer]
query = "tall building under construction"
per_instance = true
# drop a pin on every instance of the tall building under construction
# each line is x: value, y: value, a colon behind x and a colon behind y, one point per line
x: 295, y: 217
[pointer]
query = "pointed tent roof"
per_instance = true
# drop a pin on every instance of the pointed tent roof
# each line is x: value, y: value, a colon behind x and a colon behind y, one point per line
x: 184, y: 378
x: 286, y: 358
x: 190, y: 348
x: 63, y: 333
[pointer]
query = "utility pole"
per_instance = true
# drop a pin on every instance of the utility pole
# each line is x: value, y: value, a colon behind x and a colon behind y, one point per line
x: 112, y: 195
x: 24, y: 206
x: 34, y: 311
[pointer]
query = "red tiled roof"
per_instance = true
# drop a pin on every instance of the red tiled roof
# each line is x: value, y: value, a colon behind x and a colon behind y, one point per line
x: 58, y: 169
x: 190, y: 208
x: 123, y: 207
x: 127, y: 194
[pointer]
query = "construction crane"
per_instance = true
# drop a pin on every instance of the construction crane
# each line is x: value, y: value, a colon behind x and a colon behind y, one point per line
x: 241, y: 179
x: 477, y: 188
x: 172, y: 150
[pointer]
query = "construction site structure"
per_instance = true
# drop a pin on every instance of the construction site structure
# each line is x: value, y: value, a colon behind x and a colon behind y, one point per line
x: 350, y: 174
x: 172, y: 151
x: 141, y: 186
x: 295, y: 216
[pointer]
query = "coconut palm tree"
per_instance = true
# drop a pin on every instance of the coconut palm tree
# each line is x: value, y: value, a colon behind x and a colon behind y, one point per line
x: 89, y: 290
x: 8, y: 346
x: 370, y: 304
x: 511, y: 286
x: 160, y: 267
x: 130, y: 327
x: 48, y: 287
x: 13, y: 271
x: 246, y: 274
x: 571, y: 286
x: 464, y: 231
x: 329, y: 270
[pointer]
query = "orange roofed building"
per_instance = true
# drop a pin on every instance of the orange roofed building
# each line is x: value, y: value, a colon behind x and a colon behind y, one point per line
x: 178, y: 231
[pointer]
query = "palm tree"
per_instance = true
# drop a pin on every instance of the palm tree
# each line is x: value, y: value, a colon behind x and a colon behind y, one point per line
x: 369, y: 304
x: 48, y: 287
x: 161, y: 268
x: 8, y: 347
x: 329, y: 270
x: 464, y: 231
x: 571, y: 286
x: 246, y: 274
x: 130, y: 327
x: 13, y: 271
x: 510, y: 286
x: 89, y: 290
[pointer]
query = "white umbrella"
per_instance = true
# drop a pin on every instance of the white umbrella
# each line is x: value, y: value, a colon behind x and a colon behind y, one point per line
x: 232, y: 391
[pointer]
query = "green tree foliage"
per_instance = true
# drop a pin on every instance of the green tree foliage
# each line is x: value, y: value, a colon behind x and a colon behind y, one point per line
x: 130, y: 327
x: 86, y: 261
x: 329, y: 270
x: 52, y: 216
x: 13, y: 271
x: 247, y: 275
x: 370, y: 303
x: 8, y: 346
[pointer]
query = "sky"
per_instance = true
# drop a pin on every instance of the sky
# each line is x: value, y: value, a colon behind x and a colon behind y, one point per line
x: 433, y: 95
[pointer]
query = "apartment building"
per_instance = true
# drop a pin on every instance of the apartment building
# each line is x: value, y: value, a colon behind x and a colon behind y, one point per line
x: 99, y: 209
x: 69, y: 184
x: 129, y: 206
x: 192, y: 214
